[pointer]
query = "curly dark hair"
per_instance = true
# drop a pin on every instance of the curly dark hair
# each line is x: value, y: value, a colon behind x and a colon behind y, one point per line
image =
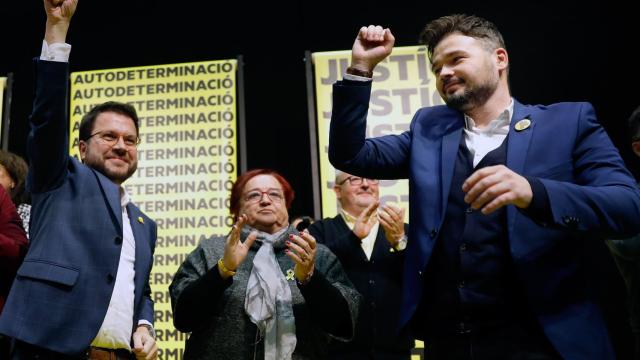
x: 17, y: 169
x: 469, y: 25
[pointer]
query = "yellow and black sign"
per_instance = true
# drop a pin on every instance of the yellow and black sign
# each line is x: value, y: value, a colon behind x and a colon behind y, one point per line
x: 402, y: 84
x: 187, y: 159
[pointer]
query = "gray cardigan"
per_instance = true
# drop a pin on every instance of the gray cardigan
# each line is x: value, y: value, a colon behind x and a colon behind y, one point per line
x: 212, y: 309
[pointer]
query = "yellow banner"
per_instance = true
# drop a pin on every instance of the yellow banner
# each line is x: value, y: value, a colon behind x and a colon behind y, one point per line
x: 3, y: 83
x: 402, y: 84
x: 187, y: 159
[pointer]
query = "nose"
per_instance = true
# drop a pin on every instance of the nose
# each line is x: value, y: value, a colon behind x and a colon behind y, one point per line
x: 446, y: 71
x: 119, y: 145
x: 365, y: 183
x: 265, y: 199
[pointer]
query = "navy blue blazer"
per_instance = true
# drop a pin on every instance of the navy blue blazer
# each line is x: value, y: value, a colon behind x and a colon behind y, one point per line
x: 589, y: 191
x: 62, y: 291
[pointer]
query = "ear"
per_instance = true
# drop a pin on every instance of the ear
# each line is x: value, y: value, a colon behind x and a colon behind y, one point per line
x: 502, y: 58
x: 635, y: 146
x: 82, y: 146
x: 338, y: 191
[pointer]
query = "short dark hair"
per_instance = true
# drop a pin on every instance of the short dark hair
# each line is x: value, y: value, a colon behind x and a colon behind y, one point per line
x: 634, y: 125
x: 86, y: 124
x: 469, y: 25
x: 242, y: 180
x: 17, y: 169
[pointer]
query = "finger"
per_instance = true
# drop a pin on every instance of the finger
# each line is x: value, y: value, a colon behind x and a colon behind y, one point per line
x: 309, y: 238
x: 248, y: 242
x: 301, y: 242
x: 477, y: 176
x: 392, y: 215
x: 365, y: 215
x: 489, y: 194
x: 293, y: 256
x: 153, y: 353
x: 148, y: 344
x: 362, y: 34
x: 481, y: 186
x: 396, y: 209
x: 386, y: 224
x: 497, y: 203
x: 137, y: 341
x: 298, y: 250
x: 379, y: 33
x: 389, y: 36
x: 371, y: 33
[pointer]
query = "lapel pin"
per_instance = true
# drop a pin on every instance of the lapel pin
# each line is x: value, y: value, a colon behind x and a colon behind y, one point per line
x: 523, y: 124
x: 140, y: 220
x: 290, y: 274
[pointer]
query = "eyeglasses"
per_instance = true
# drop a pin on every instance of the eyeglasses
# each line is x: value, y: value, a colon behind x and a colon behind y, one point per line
x: 357, y: 181
x: 111, y: 139
x: 255, y: 196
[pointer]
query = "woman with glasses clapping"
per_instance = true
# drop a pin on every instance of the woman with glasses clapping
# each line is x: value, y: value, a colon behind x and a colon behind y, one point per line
x: 266, y: 291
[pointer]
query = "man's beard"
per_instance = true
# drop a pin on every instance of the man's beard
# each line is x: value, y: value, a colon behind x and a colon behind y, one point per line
x: 117, y: 177
x: 471, y: 97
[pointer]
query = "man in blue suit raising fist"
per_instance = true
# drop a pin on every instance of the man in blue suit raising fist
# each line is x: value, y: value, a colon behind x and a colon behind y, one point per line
x: 502, y: 195
x: 83, y: 289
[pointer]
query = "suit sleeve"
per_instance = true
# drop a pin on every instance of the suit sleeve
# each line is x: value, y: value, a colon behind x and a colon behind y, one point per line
x: 604, y: 197
x: 146, y: 310
x: 385, y: 157
x: 194, y: 292
x: 48, y: 141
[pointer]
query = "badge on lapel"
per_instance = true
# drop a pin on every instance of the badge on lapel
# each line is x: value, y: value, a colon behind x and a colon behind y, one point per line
x: 140, y: 220
x: 522, y: 124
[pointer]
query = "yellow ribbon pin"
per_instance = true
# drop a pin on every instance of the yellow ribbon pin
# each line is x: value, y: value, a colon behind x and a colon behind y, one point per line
x: 290, y: 274
x: 140, y: 220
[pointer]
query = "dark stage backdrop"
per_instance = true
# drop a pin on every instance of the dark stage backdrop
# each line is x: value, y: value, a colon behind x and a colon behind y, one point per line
x: 559, y: 51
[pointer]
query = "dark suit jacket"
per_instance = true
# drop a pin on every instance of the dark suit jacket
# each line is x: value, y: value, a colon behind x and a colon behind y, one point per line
x: 60, y: 296
x: 589, y: 192
x: 379, y: 280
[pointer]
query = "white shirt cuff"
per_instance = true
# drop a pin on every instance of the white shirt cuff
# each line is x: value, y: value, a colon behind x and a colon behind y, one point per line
x: 55, y: 52
x: 355, y: 77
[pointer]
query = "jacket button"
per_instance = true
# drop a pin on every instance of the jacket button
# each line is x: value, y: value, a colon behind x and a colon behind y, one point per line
x: 461, y: 284
x: 433, y: 233
x: 372, y: 282
x: 463, y: 247
x: 109, y: 279
x: 118, y: 240
x: 469, y: 210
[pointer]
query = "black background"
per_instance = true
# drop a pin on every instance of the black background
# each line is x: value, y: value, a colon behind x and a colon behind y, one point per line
x: 559, y: 51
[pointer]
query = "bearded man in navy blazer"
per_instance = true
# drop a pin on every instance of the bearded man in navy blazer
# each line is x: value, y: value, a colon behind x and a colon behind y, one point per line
x: 83, y: 289
x: 502, y: 196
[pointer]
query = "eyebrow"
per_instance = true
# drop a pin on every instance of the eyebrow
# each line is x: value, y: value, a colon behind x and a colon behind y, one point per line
x: 449, y: 55
x: 259, y: 189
